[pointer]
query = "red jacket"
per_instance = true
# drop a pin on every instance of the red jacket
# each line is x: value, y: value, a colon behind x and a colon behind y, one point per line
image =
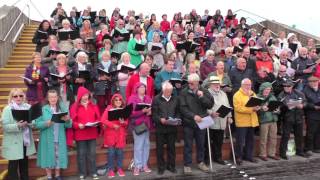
x: 80, y: 114
x: 114, y: 137
x: 136, y: 78
x: 165, y: 26
x: 268, y: 64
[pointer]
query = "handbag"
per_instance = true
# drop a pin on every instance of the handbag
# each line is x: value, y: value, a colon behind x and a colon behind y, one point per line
x: 140, y: 128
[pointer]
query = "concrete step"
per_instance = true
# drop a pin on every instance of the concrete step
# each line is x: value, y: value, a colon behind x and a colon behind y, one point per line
x: 26, y: 45
x: 10, y: 61
x: 24, y: 41
x: 28, y: 37
x: 16, y: 65
x: 24, y: 53
x: 27, y: 48
x: 20, y: 57
x: 6, y: 91
x: 12, y: 70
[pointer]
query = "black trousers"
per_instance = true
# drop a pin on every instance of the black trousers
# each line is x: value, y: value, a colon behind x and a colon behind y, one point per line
x: 298, y: 136
x: 216, y: 142
x: 313, y: 127
x: 20, y: 165
x: 161, y: 140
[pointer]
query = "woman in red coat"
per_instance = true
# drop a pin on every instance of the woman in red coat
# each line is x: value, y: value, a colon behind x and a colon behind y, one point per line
x: 84, y: 115
x: 115, y: 136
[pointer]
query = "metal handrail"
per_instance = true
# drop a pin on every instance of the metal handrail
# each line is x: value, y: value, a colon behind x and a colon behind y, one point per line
x: 262, y: 25
x: 14, y: 23
x: 17, y: 34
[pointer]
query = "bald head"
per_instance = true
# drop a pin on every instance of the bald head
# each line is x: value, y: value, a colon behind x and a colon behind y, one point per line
x: 144, y: 69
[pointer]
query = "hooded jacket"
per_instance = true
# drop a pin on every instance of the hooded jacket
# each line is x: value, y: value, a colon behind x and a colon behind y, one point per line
x: 267, y: 116
x: 81, y: 115
x: 138, y: 117
x: 114, y: 137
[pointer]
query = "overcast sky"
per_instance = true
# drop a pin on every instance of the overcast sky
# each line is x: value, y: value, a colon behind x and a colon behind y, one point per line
x: 303, y: 14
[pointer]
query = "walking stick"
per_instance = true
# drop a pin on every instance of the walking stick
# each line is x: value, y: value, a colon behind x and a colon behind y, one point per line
x: 231, y: 142
x: 209, y: 146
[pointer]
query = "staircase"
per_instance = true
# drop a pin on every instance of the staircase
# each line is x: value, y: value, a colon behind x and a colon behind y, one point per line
x: 16, y: 64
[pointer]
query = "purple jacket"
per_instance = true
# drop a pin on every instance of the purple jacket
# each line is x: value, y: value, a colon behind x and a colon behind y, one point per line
x: 138, y: 117
x: 32, y: 88
x: 207, y: 68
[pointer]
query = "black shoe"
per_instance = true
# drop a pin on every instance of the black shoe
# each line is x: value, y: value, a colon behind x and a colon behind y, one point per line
x: 284, y: 156
x: 172, y: 169
x: 58, y: 178
x: 302, y: 154
x: 253, y: 160
x: 220, y: 161
x: 160, y: 171
x: 239, y: 161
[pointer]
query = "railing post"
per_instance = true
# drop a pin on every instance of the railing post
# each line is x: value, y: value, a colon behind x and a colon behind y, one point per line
x: 29, y: 21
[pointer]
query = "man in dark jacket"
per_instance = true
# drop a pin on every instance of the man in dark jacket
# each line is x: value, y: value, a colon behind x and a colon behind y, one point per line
x: 194, y: 102
x: 165, y: 106
x: 293, y: 104
x: 312, y: 110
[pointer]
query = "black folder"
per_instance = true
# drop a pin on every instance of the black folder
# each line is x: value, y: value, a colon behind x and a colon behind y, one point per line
x: 65, y: 35
x: 155, y: 48
x: 61, y: 18
x: 52, y: 52
x: 115, y: 55
x: 293, y: 47
x: 78, y: 14
x: 56, y: 117
x: 310, y: 65
x: 174, y: 81
x: 58, y: 76
x: 254, y: 50
x: 19, y: 115
x: 224, y: 111
x: 42, y: 34
x: 107, y: 36
x: 84, y: 74
x: 139, y: 47
x: 126, y: 35
x: 116, y: 114
x: 254, y: 101
x: 105, y: 72
x: 103, y: 19
x: 273, y: 105
x: 126, y: 69
x: 140, y: 106
x: 36, y: 111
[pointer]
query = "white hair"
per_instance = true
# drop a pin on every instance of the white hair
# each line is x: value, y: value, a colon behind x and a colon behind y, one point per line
x: 166, y: 85
x: 209, y: 52
x: 81, y: 53
x: 193, y: 77
x: 245, y: 80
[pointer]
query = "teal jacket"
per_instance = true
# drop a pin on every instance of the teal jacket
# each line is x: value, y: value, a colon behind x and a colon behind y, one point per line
x: 163, y: 76
x: 12, y: 142
x: 267, y: 116
x: 46, y: 146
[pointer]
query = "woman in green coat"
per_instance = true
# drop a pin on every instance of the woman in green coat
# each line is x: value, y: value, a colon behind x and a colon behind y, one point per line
x: 136, y: 56
x: 52, y: 148
x: 17, y: 143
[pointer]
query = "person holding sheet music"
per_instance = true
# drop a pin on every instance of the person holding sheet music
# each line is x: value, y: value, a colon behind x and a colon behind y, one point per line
x: 120, y: 37
x: 155, y: 27
x: 82, y: 73
x: 246, y: 120
x: 293, y: 44
x: 220, y: 120
x: 156, y: 49
x: 123, y: 76
x: 36, y: 78
x: 83, y: 113
x: 194, y: 102
x: 166, y: 116
x: 40, y: 37
x: 87, y: 34
x: 105, y: 79
x: 115, y: 136
x: 103, y: 35
x: 293, y: 103
x: 85, y: 16
x: 136, y: 48
x: 107, y: 46
x: 268, y: 118
x: 17, y: 143
x: 140, y: 125
x: 172, y: 44
x: 59, y: 6
x: 65, y: 44
x: 49, y: 53
x: 60, y: 80
x: 58, y: 17
x: 52, y: 147
x: 208, y: 65
x: 167, y: 74
x: 77, y: 47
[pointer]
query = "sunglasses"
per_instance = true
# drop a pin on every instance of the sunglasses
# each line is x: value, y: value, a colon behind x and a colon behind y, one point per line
x: 15, y: 96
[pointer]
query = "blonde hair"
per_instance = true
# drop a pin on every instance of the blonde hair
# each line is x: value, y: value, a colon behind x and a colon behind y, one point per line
x: 123, y: 55
x: 15, y: 91
x: 64, y: 57
x: 65, y: 21
x: 82, y: 54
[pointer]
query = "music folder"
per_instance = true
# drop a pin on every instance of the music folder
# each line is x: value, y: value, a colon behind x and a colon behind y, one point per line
x: 273, y: 105
x: 139, y: 47
x: 56, y: 117
x: 20, y: 115
x: 116, y: 114
x: 115, y: 55
x: 224, y: 111
x: 254, y: 101
x: 140, y: 106
x: 155, y: 48
x: 126, y: 69
x: 105, y: 72
x: 84, y: 74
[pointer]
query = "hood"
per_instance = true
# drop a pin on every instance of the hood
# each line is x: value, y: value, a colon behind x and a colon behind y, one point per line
x: 82, y: 91
x: 263, y: 86
x: 115, y: 96
x: 136, y: 86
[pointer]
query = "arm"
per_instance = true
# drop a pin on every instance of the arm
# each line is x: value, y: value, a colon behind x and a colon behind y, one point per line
x: 131, y: 46
x: 8, y: 124
x: 185, y: 110
x: 206, y: 100
x: 239, y: 105
x: 155, y: 111
x: 42, y: 122
x: 158, y: 81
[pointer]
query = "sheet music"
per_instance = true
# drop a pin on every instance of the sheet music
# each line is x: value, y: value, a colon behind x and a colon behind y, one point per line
x: 206, y: 122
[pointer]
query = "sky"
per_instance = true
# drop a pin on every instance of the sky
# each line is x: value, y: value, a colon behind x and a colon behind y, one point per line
x: 303, y: 15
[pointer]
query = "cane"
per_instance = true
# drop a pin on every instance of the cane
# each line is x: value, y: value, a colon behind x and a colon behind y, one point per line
x: 231, y: 142
x: 209, y: 146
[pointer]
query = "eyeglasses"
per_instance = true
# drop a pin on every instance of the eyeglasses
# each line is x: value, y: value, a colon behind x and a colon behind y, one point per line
x: 16, y: 96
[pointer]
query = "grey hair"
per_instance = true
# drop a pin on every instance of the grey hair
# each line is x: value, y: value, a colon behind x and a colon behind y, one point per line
x: 245, y: 80
x: 166, y: 85
x: 193, y: 77
x: 209, y: 52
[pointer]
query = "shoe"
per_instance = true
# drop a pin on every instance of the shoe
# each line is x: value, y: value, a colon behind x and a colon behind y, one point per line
x: 187, y: 170
x: 136, y: 171
x: 284, y: 156
x: 120, y: 172
x: 172, y: 170
x: 95, y: 177
x: 146, y: 169
x: 58, y: 178
x: 274, y: 157
x: 111, y: 174
x: 160, y: 171
x: 49, y: 178
x: 253, y: 160
x: 82, y: 177
x: 220, y: 161
x: 316, y: 151
x: 239, y: 161
x: 263, y: 158
x: 308, y: 153
x: 203, y: 167
x: 302, y: 154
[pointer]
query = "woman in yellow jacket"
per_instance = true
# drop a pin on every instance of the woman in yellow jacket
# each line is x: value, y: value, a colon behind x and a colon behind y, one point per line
x: 246, y: 120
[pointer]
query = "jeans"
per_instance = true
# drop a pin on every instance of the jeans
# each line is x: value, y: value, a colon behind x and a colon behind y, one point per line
x: 298, y: 136
x: 21, y: 165
x: 189, y: 134
x: 86, y: 154
x: 141, y: 149
x: 169, y: 139
x: 122, y: 90
x: 313, y: 127
x: 114, y: 154
x: 244, y: 142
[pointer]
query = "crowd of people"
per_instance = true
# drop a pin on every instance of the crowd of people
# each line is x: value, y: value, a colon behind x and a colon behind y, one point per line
x: 87, y: 65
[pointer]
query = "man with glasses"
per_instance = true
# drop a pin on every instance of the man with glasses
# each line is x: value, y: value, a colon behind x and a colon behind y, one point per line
x: 312, y: 112
x: 194, y: 102
x: 246, y: 120
x: 293, y: 103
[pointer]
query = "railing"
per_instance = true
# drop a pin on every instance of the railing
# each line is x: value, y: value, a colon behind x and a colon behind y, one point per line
x: 15, y: 22
x: 18, y: 33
